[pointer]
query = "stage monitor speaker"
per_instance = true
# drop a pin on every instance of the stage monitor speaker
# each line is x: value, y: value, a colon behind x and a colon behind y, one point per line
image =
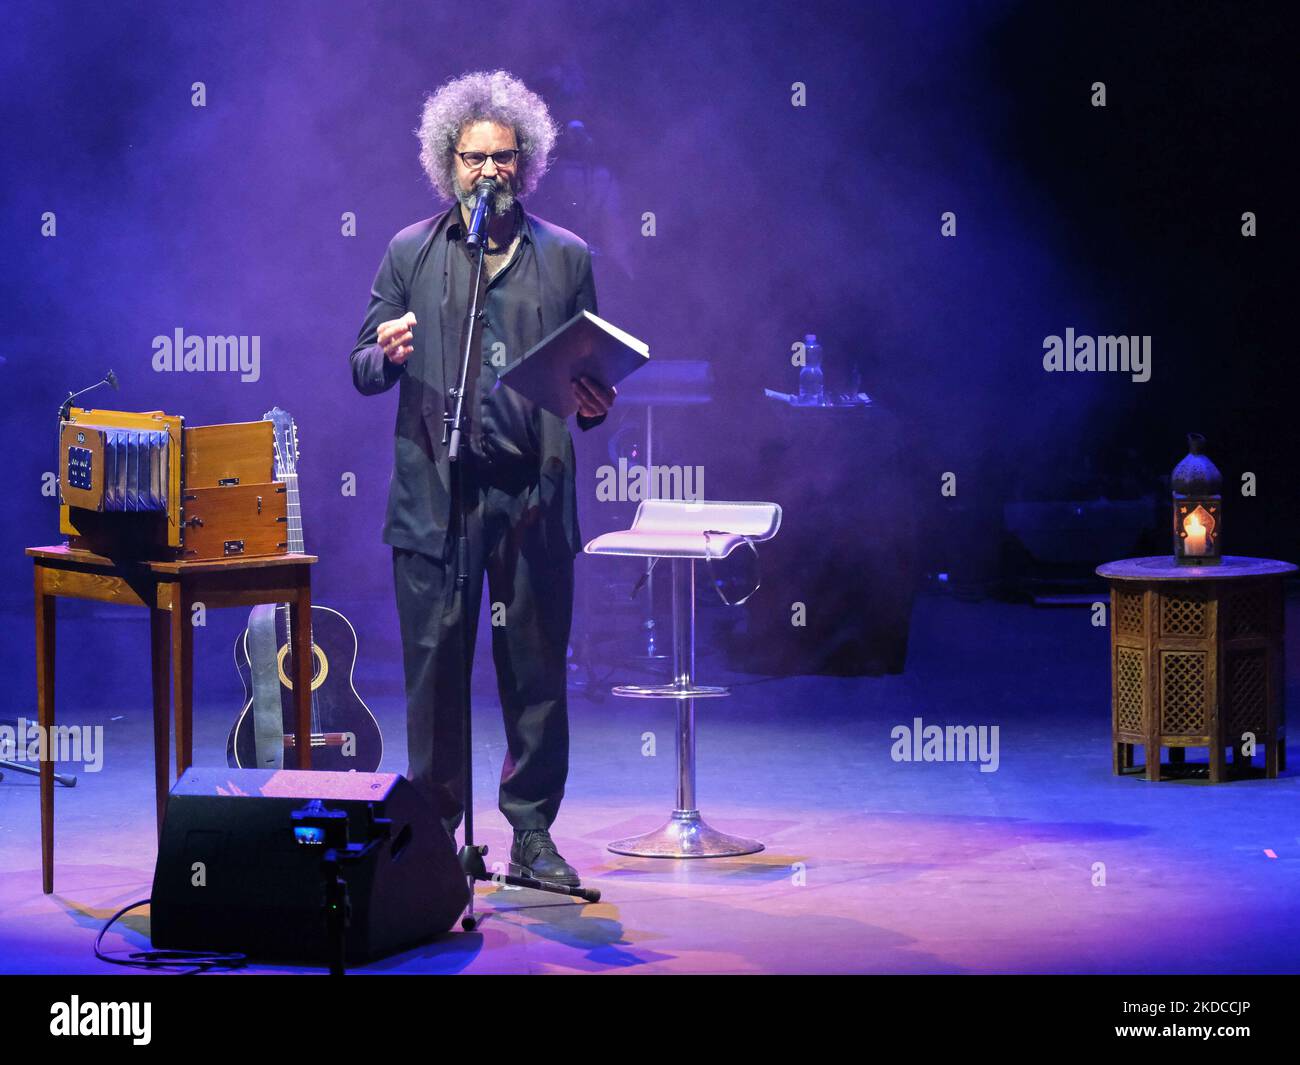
x: 233, y: 875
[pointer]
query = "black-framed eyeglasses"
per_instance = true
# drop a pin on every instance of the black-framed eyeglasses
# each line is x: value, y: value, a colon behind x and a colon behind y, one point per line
x: 474, y: 160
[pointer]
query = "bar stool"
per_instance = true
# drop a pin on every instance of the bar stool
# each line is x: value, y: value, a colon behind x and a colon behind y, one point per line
x: 684, y: 532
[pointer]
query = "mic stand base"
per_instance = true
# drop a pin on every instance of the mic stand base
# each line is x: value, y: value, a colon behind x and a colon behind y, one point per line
x: 472, y: 864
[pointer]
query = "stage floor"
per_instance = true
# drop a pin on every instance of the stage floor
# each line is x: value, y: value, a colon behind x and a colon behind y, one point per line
x: 872, y: 865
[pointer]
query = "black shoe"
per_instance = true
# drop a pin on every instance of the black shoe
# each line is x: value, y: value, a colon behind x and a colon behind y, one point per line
x: 533, y: 854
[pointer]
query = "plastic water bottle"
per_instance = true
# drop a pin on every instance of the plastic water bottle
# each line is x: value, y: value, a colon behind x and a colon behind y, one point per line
x: 811, y: 383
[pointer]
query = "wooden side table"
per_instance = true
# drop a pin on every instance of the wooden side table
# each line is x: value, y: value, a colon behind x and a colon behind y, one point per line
x: 169, y: 590
x: 1196, y: 659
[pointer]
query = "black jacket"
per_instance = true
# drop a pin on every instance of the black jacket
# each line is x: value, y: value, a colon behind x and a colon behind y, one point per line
x: 411, y: 278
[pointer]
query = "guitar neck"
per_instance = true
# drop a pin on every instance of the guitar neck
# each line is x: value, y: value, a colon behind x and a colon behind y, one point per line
x: 286, y: 470
x: 294, y: 510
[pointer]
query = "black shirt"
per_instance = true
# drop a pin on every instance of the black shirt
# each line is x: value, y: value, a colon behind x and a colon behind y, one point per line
x: 503, y: 425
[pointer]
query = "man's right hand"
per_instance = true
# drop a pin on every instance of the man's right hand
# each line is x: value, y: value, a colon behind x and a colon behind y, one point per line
x: 395, y: 338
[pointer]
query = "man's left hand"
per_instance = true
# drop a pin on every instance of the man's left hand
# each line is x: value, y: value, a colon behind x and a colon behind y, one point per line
x: 594, y: 399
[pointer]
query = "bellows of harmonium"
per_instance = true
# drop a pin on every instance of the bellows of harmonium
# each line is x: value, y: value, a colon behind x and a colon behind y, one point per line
x: 142, y: 485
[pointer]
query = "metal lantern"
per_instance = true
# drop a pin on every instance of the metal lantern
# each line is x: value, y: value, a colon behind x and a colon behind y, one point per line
x: 1198, y: 507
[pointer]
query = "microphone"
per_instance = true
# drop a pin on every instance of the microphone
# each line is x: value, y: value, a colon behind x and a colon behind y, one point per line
x: 485, y: 192
x: 109, y: 379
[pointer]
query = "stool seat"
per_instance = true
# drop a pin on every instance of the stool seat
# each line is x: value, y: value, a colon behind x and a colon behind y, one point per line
x: 673, y: 528
x: 664, y: 544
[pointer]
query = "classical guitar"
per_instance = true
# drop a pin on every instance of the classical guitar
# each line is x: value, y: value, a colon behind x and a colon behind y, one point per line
x: 344, y: 733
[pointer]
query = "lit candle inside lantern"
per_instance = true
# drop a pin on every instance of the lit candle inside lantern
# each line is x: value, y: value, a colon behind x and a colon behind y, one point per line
x: 1196, y: 534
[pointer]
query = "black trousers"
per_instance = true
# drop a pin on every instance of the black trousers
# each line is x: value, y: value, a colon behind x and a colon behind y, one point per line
x: 531, y: 611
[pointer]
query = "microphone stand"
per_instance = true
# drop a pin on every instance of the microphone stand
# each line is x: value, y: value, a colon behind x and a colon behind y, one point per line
x: 471, y: 855
x: 67, y: 780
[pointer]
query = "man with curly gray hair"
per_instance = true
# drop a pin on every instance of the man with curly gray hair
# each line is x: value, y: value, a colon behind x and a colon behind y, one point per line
x: 517, y: 471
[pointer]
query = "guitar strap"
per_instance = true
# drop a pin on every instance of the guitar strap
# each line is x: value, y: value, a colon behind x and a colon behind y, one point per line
x: 268, y: 717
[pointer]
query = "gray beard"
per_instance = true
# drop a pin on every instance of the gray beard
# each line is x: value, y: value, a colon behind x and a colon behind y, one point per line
x: 502, y: 203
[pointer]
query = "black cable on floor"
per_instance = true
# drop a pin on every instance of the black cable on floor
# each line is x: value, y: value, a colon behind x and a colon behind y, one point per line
x: 195, y: 961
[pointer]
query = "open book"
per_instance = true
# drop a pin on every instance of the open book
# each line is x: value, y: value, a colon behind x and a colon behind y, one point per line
x: 584, y: 346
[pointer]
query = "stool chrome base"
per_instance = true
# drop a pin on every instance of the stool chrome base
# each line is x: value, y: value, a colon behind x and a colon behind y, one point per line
x: 685, y: 836
x: 670, y: 691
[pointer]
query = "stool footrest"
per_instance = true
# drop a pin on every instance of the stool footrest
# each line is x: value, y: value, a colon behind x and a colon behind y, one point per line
x: 669, y: 691
x: 686, y: 835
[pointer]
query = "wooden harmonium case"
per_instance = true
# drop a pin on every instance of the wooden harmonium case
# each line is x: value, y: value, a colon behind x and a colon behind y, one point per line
x: 142, y: 485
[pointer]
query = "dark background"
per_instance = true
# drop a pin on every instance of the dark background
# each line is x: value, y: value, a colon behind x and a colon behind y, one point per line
x: 772, y: 221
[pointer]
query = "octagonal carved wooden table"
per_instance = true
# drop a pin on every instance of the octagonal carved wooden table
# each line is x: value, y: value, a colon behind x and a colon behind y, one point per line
x: 1196, y: 660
